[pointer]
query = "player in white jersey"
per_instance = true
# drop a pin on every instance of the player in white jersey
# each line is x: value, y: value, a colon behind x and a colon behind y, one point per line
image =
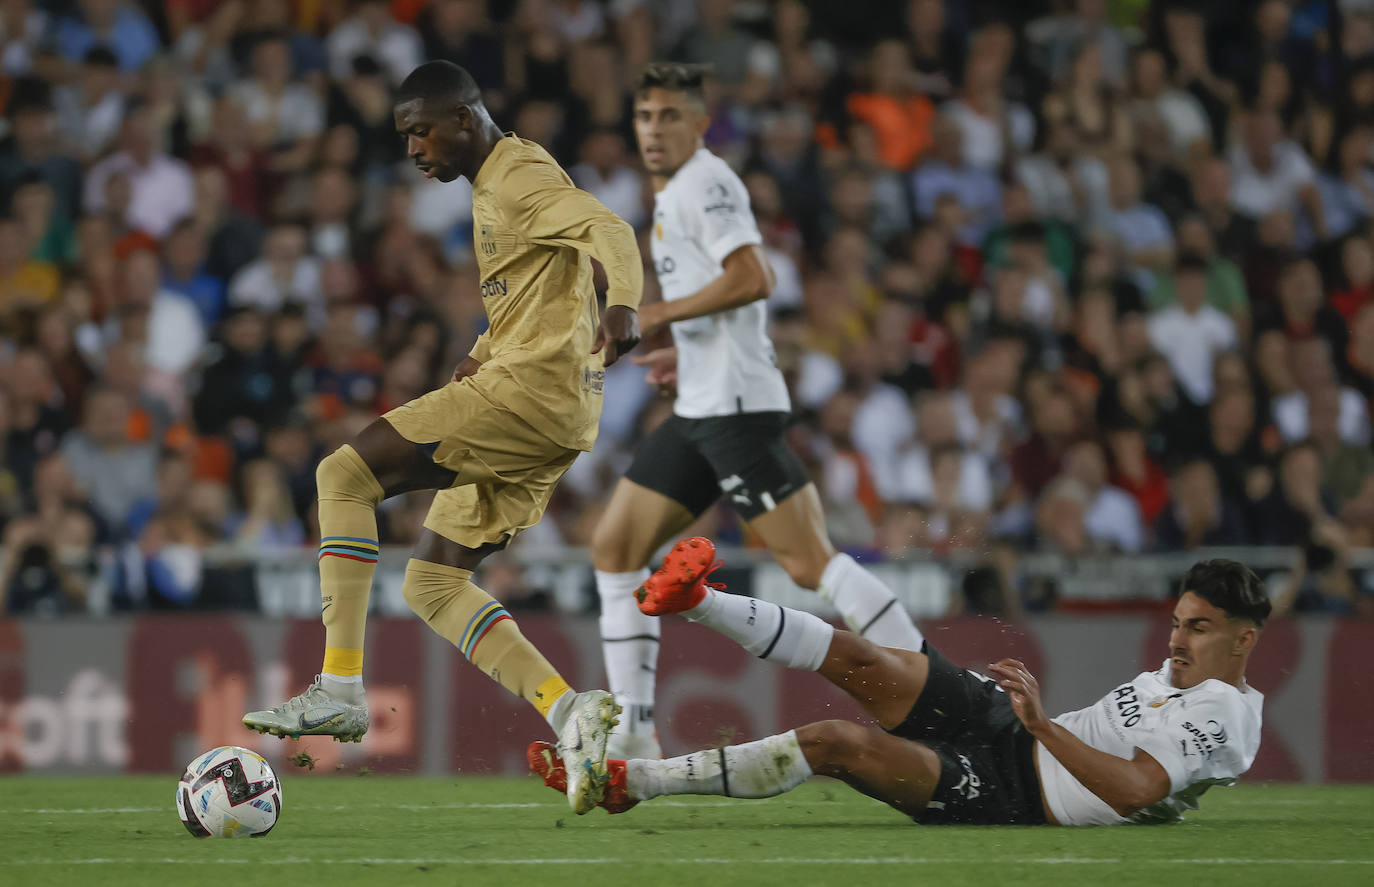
x: 957, y: 747
x: 725, y: 436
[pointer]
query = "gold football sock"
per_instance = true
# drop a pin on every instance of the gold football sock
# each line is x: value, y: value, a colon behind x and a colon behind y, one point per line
x: 349, y: 495
x: 482, y: 630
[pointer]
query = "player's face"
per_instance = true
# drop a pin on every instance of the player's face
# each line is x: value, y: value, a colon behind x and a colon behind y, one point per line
x: 1205, y: 643
x: 668, y: 126
x: 438, y: 140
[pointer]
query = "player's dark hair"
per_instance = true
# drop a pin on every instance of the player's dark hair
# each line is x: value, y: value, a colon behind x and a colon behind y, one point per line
x: 674, y: 77
x: 1230, y: 586
x: 441, y: 82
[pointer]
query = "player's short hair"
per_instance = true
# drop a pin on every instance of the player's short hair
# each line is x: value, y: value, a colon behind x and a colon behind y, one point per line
x: 1230, y: 586
x: 674, y: 77
x: 442, y: 82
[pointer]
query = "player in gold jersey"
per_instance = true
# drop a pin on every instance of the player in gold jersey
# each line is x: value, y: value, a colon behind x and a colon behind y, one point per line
x: 495, y: 440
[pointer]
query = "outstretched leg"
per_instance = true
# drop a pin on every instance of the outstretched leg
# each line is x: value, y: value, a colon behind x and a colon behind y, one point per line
x: 896, y: 771
x: 794, y: 531
x: 886, y: 682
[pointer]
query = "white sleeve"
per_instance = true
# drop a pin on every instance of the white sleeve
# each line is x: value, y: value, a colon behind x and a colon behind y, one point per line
x: 1203, y: 741
x: 724, y: 221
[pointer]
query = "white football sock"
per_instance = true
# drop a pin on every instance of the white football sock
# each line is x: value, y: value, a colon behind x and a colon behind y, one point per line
x: 758, y: 769
x: 778, y: 634
x: 559, y: 711
x: 629, y: 642
x: 345, y: 688
x: 868, y: 607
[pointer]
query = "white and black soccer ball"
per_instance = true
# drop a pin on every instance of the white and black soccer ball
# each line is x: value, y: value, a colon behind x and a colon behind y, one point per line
x: 229, y: 792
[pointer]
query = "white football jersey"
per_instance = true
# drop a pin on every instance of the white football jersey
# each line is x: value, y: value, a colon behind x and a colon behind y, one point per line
x: 1203, y: 736
x: 725, y: 361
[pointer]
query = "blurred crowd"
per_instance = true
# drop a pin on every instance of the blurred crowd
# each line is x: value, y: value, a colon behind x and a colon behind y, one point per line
x: 1068, y: 276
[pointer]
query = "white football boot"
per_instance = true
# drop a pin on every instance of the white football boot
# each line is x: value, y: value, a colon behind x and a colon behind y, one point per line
x: 313, y: 713
x: 582, y: 744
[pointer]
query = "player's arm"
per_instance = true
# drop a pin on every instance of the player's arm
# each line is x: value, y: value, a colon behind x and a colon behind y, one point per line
x: 746, y: 277
x: 1125, y: 785
x: 548, y: 210
x: 480, y: 354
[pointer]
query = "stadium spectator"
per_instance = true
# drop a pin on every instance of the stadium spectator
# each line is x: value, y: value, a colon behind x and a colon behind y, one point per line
x: 1198, y: 515
x: 371, y: 30
x: 26, y: 284
x: 1111, y: 517
x: 113, y: 23
x: 1190, y: 332
x: 1141, y: 230
x: 113, y: 471
x: 160, y: 191
x: 268, y: 520
x: 1270, y: 173
x: 90, y: 110
x: 286, y: 273
x: 946, y: 172
x: 901, y: 119
x: 1314, y: 372
x: 285, y: 116
x: 1235, y: 447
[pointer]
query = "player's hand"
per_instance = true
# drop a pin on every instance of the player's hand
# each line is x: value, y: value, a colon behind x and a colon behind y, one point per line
x: 618, y: 333
x: 466, y: 368
x: 662, y: 364
x: 1012, y: 676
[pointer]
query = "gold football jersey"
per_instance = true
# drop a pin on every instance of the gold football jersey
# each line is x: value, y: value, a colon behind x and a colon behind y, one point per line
x: 533, y: 234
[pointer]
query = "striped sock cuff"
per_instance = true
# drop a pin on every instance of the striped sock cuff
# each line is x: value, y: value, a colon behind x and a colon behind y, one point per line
x: 352, y: 548
x: 479, y: 625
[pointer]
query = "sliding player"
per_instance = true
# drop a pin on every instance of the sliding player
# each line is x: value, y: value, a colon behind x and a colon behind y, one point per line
x: 956, y: 747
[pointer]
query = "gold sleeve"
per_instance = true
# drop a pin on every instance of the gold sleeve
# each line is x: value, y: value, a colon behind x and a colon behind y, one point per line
x: 553, y: 212
x: 481, y: 349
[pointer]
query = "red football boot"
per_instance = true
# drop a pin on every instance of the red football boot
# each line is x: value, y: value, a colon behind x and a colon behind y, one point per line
x: 547, y: 765
x: 680, y: 584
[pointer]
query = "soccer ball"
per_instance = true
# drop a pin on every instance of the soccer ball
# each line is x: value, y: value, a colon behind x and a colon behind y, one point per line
x: 229, y: 792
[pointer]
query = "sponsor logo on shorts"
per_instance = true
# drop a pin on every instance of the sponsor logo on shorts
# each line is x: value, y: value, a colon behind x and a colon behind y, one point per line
x: 593, y: 381
x: 968, y: 787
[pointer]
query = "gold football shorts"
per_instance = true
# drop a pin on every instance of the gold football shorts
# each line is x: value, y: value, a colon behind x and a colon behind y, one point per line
x: 506, y: 469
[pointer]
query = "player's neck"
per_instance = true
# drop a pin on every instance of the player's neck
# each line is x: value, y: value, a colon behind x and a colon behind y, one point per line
x: 487, y: 138
x: 659, y: 181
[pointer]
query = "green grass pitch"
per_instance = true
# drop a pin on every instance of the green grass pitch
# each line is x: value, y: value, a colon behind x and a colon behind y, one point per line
x: 393, y: 831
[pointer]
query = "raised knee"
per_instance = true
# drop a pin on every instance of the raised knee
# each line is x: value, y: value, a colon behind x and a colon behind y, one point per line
x: 832, y: 747
x: 344, y: 475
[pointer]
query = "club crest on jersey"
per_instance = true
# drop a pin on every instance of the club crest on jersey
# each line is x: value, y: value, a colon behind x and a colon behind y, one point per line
x: 720, y: 199
x: 486, y: 243
x: 593, y: 380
